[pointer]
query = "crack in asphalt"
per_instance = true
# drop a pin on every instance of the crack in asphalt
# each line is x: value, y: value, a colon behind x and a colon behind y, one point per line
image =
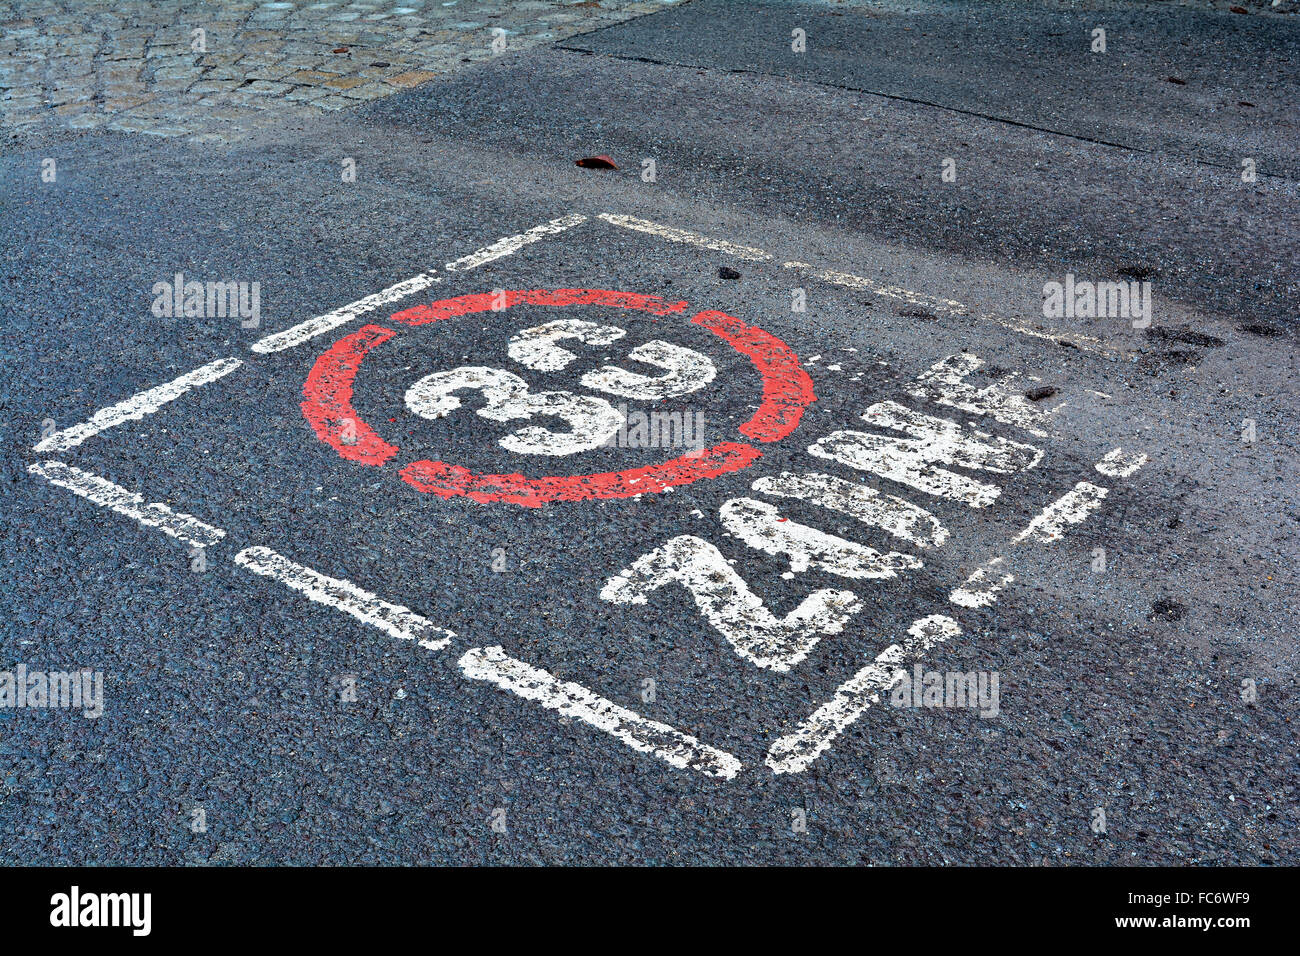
x: 898, y: 97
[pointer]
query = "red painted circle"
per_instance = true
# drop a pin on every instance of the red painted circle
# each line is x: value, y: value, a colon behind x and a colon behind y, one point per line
x: 327, y: 404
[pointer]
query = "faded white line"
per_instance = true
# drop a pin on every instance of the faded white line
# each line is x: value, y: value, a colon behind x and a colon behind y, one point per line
x: 512, y: 244
x: 104, y: 493
x: 304, y: 331
x: 685, y: 236
x: 573, y: 700
x: 1121, y: 464
x: 794, y: 752
x: 862, y: 283
x: 952, y: 307
x: 137, y: 406
x: 977, y: 590
x: 1073, y: 507
x: 849, y: 280
x: 1084, y: 343
x: 400, y: 622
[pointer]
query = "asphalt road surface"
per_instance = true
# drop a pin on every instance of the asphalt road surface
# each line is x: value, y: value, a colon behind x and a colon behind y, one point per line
x: 404, y: 581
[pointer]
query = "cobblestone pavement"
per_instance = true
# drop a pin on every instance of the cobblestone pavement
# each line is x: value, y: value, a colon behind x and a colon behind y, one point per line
x: 215, y: 72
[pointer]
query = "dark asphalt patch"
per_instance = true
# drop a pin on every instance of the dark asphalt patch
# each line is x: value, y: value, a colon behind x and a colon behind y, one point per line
x: 1185, y: 336
x: 1262, y: 329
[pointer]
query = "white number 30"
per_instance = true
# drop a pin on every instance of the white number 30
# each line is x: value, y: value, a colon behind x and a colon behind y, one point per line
x: 592, y: 421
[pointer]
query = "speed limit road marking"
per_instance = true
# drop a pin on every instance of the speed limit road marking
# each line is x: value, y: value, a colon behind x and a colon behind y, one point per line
x: 786, y: 392
x: 940, y: 439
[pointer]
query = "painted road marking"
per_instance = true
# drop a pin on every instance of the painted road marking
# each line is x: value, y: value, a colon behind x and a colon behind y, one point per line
x: 944, y: 383
x: 950, y: 307
x: 685, y: 371
x: 672, y: 234
x: 724, y: 599
x: 786, y: 392
x: 978, y: 590
x: 104, y: 493
x: 573, y: 700
x: 137, y: 406
x: 1121, y: 464
x: 762, y: 527
x: 305, y: 331
x: 794, y: 752
x: 863, y: 284
x: 535, y: 348
x: 919, y: 453
x: 1048, y: 526
x: 1084, y: 342
x: 401, y: 622
x: 1071, y: 508
x: 902, y: 519
x: 506, y: 397
x: 512, y: 244
x: 727, y: 602
x: 321, y: 324
x: 860, y: 283
x: 914, y: 460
